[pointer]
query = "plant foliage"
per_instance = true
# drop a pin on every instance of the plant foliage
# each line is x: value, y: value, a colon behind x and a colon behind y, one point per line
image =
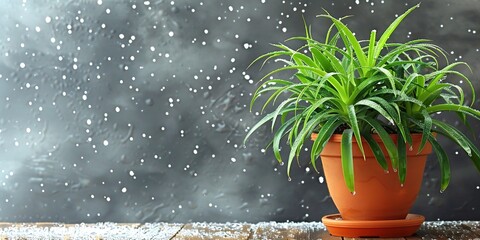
x: 364, y: 87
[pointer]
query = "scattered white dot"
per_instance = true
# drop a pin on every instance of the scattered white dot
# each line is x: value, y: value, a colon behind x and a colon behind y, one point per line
x: 321, y: 179
x: 22, y: 65
x: 105, y: 142
x: 124, y: 190
x: 170, y: 34
x: 48, y: 19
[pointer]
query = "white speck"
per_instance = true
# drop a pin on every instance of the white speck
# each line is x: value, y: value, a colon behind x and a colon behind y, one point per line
x: 124, y: 190
x: 233, y: 159
x: 105, y: 142
x: 284, y: 29
x: 131, y: 173
x: 170, y: 34
x: 146, y: 3
x: 117, y: 109
x: 84, y: 97
x: 232, y: 60
x: 205, y: 31
x: 99, y: 2
x: 321, y: 179
x: 152, y: 48
x: 37, y: 29
x: 121, y: 36
x: 52, y: 40
x: 89, y: 121
x: 107, y: 10
x: 48, y: 19
x: 28, y: 130
x: 230, y: 8
x: 22, y: 65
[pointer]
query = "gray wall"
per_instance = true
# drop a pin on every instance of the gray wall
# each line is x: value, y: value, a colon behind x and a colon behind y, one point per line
x: 135, y: 111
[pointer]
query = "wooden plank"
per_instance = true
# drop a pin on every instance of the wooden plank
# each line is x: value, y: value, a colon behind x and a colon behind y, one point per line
x: 322, y: 234
x: 273, y: 230
x: 443, y: 231
x: 157, y: 231
x: 227, y: 231
x: 473, y: 226
x: 224, y: 231
x: 402, y: 238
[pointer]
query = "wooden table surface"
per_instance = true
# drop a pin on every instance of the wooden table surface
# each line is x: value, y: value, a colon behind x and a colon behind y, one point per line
x: 220, y: 231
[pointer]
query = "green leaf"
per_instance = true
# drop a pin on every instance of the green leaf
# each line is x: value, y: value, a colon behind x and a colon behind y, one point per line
x: 427, y: 128
x: 443, y: 161
x: 455, y: 108
x: 376, y: 107
x: 386, y: 139
x: 279, y: 109
x: 347, y: 160
x: 264, y: 120
x: 377, y: 151
x: 356, y: 130
x: 323, y: 136
x: 300, y: 138
x: 371, y: 48
x: 279, y: 134
x: 321, y: 59
x: 351, y: 41
x: 388, y: 32
x: 402, y: 159
x: 455, y: 135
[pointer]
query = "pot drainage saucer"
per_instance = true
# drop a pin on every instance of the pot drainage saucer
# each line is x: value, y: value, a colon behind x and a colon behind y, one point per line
x: 375, y: 228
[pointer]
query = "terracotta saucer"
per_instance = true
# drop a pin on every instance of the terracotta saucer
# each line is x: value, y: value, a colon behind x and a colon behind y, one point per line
x: 377, y: 228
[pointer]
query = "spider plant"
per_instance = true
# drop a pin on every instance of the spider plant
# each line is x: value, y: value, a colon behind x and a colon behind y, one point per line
x: 360, y: 88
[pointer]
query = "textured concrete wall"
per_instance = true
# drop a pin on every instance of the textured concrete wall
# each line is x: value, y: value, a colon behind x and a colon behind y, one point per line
x: 135, y: 111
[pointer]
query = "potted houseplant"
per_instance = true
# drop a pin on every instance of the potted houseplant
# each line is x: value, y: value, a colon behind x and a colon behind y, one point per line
x: 367, y: 106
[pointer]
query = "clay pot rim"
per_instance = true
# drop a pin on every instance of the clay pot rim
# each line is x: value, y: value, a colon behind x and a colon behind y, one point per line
x: 410, y: 220
x: 336, y: 137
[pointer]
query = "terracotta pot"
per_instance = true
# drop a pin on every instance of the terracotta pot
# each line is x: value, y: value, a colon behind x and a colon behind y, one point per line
x: 378, y: 193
